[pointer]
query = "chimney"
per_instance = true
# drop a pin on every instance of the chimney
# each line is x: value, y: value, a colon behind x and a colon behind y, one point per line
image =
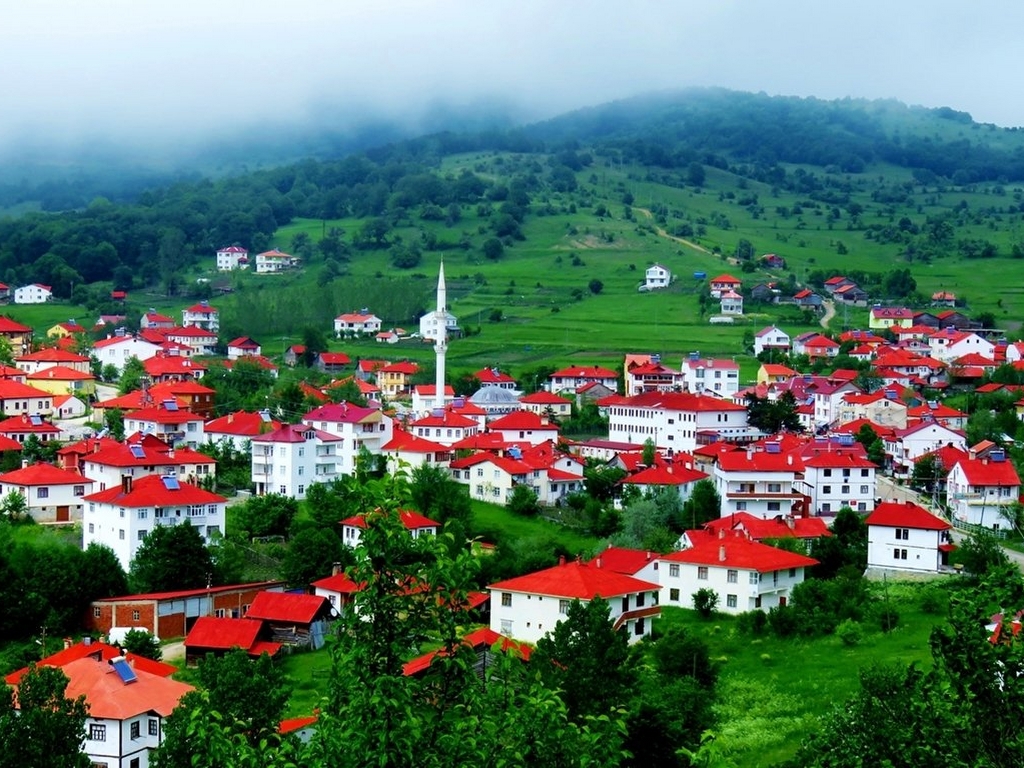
x: 561, y: 559
x: 598, y: 561
x: 721, y: 533
x: 126, y: 484
x: 335, y: 569
x: 721, y: 553
x: 67, y: 643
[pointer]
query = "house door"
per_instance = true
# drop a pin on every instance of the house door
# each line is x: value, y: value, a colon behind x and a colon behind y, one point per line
x: 782, y: 602
x: 63, y: 514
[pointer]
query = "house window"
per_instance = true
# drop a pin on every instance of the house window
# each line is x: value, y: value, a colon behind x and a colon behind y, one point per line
x: 702, y: 572
x: 563, y: 607
x: 774, y: 487
x: 792, y: 573
x: 827, y: 473
x: 135, y: 616
x: 479, y: 471
x: 730, y: 601
x: 673, y: 595
x: 96, y: 613
x: 755, y: 578
x: 134, y: 730
x: 865, y: 489
x: 639, y: 599
x: 638, y: 628
x: 845, y: 489
x: 673, y: 570
x: 97, y: 732
x: 79, y: 490
x: 506, y: 599
x: 142, y: 535
x: 899, y: 554
x: 774, y: 506
x: 732, y: 576
x: 282, y: 489
x: 92, y: 528
x: 864, y: 472
x: 43, y: 493
x: 120, y: 534
x: 741, y: 506
x: 826, y: 489
x: 142, y: 514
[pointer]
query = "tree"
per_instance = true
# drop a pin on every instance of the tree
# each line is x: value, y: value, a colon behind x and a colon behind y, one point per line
x: 928, y: 471
x: 587, y: 660
x: 846, y: 547
x: 314, y: 341
x: 771, y: 416
x: 596, y: 286
x: 703, y: 506
x: 46, y: 728
x: 171, y: 557
x: 267, y: 515
x: 523, y: 501
x: 695, y: 174
x: 113, y: 420
x: 141, y: 643
x: 873, y: 445
x: 493, y: 248
x: 649, y: 453
x: 312, y: 553
x: 131, y: 376
x: 14, y: 506
x: 705, y: 602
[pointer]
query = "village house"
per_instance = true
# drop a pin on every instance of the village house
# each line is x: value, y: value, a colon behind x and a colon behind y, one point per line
x: 201, y: 315
x: 492, y: 478
x: 524, y: 427
x: 528, y: 607
x: 723, y: 284
x: 445, y: 428
x: 108, y: 461
x: 745, y: 575
x: 289, y: 459
x: 68, y: 407
x: 429, y: 326
x: 759, y: 482
x: 49, y: 357
x: 395, y: 379
x: 851, y: 294
x: 547, y: 404
x: 338, y: 588
x: 833, y: 284
x: 881, y: 318
x: 293, y: 619
x: 675, y: 420
x: 576, y: 376
x: 905, y: 446
x: 838, y: 476
x: 718, y: 377
x: 648, y: 374
x: 34, y: 293
x: 907, y: 537
x: 416, y: 524
x: 359, y: 428
x: 361, y: 323
x: 424, y: 397
x: 772, y: 339
x: 66, y: 330
x: 163, y: 368
x: 17, y: 335
x: 805, y: 529
x: 155, y: 321
x: 201, y: 341
x: 51, y: 494
x: 493, y: 377
x: 21, y: 428
x: 731, y: 303
x: 60, y: 380
x: 232, y: 257
x: 773, y: 373
x: 118, y: 350
x: 405, y: 452
x: 883, y: 407
x: 332, y: 362
x: 949, y: 343
x: 808, y: 299
x: 243, y: 346
x: 274, y: 261
x: 933, y: 410
x: 681, y: 477
x: 980, y: 490
x: 168, y: 423
x: 815, y: 346
x: 18, y: 399
x: 656, y: 276
x: 218, y: 635
x: 238, y: 428
x: 122, y: 516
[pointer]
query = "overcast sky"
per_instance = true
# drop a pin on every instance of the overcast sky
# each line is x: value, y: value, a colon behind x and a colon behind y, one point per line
x: 184, y: 68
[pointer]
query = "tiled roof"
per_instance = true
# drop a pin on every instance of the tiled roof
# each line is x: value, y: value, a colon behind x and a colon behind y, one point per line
x: 22, y: 424
x: 11, y: 326
x: 741, y: 553
x: 52, y: 355
x: 680, y: 401
x: 985, y: 472
x: 477, y: 640
x: 342, y: 413
x: 411, y: 520
x: 111, y: 699
x: 726, y: 278
x: 575, y: 580
x: 150, y: 491
x: 60, y: 373
x: 43, y: 474
x: 759, y: 461
x: 584, y: 372
x: 296, y: 433
x: 242, y: 424
x: 181, y: 594
x: 627, y: 561
x: 223, y: 633
x: 522, y: 420
x: 908, y: 515
x: 104, y: 652
x: 404, y: 442
x: 673, y: 474
x: 339, y: 583
x: 287, y: 606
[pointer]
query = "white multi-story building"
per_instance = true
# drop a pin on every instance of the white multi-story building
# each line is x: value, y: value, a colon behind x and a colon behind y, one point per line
x: 289, y: 459
x: 273, y: 261
x: 232, y: 257
x: 445, y: 428
x: 834, y: 479
x: 760, y: 483
x: 118, y: 350
x: 167, y: 422
x: 979, y: 490
x: 905, y: 446
x: 906, y: 537
x: 950, y: 343
x: 201, y: 315
x: 239, y: 428
x: 576, y: 376
x: 710, y: 376
x: 771, y: 338
x: 121, y: 517
x: 746, y: 575
x: 108, y: 464
x: 429, y: 324
x: 524, y: 427
x: 528, y: 607
x: 36, y: 293
x: 358, y: 428
x: 673, y: 420
x: 356, y: 324
x: 657, y: 277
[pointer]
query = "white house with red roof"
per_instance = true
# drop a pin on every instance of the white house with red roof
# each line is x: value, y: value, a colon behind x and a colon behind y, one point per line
x: 232, y: 257
x: 201, y: 315
x: 445, y: 428
x: 360, y: 323
x: 33, y: 362
x: 950, y: 343
x: 51, y: 494
x: 274, y: 261
x: 771, y: 338
x: 880, y: 318
x: 528, y: 607
x: 731, y: 303
x: 20, y: 428
x: 34, y: 293
x: 680, y: 476
x: 674, y: 419
x: 239, y: 428
x: 759, y: 482
x: 492, y: 377
x: 18, y: 399
x: 524, y: 427
x: 122, y: 516
x: 883, y: 407
x: 357, y: 426
x: 746, y: 575
x: 719, y: 377
x: 424, y: 397
x: 650, y: 375
x: 201, y: 341
x: 139, y: 456
x: 760, y: 529
x: 905, y: 446
x: 289, y: 459
x: 167, y: 422
x: 127, y: 703
x: 576, y: 376
x: 907, y: 537
x: 638, y: 563
x: 491, y: 478
x: 155, y: 320
x: 547, y: 404
x: 118, y: 350
x: 979, y: 490
x: 165, y: 367
x: 406, y: 450
x: 416, y: 524
x: 838, y: 476
x: 338, y: 588
x: 933, y: 410
x: 815, y: 346
x: 243, y: 346
x: 722, y: 284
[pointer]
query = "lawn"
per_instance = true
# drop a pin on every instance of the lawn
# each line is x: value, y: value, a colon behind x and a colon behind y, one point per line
x: 771, y: 691
x: 492, y: 520
x: 307, y: 672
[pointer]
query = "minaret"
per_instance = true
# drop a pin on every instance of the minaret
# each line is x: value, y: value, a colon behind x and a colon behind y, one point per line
x: 441, y: 345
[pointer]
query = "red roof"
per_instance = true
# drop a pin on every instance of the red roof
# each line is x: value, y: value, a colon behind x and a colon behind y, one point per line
x: 150, y: 491
x: 410, y: 519
x: 223, y: 633
x: 339, y: 583
x: 181, y: 594
x: 759, y: 461
x: 680, y: 401
x: 23, y: 424
x: 243, y: 342
x: 543, y: 398
x: 674, y: 474
x: 404, y: 442
x: 296, y: 433
x: 477, y: 640
x: 292, y: 724
x: 241, y: 423
x: 406, y: 367
x: 627, y: 561
x: 985, y: 472
x: 108, y: 697
x: 493, y: 376
x: 201, y: 309
x: 726, y: 279
x: 10, y: 326
x: 105, y: 653
x: 522, y: 420
x: 335, y: 358
x: 287, y: 606
x: 774, y: 369
x: 52, y: 355
x: 60, y: 373
x: 43, y: 474
x: 907, y: 515
x: 342, y: 413
x: 584, y: 372
x: 741, y: 553
x: 575, y: 580
x: 777, y: 528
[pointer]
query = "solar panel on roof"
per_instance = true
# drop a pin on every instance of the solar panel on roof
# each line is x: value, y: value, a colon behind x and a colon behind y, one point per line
x: 137, y: 451
x: 171, y: 405
x: 170, y: 482
x: 36, y: 420
x: 124, y: 670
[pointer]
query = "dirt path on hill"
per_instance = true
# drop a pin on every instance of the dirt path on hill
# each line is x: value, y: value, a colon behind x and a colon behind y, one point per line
x: 830, y: 312
x: 660, y: 232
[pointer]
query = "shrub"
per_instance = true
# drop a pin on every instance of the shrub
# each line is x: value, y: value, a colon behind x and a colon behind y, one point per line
x: 888, y: 619
x: 752, y: 622
x: 850, y: 632
x: 934, y: 600
x: 705, y: 602
x: 783, y: 620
